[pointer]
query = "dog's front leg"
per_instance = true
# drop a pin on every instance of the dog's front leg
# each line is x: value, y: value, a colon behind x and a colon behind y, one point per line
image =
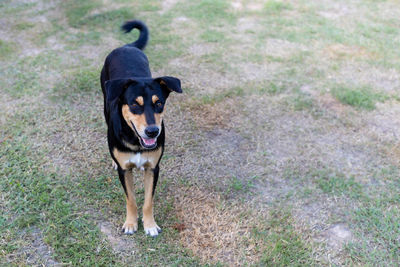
x: 131, y: 225
x: 150, y: 182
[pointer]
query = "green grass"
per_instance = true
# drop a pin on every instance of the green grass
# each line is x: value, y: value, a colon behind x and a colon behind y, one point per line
x: 6, y: 49
x: 109, y: 18
x: 76, y: 11
x: 362, y: 97
x: 62, y: 207
x: 212, y: 36
x: 81, y: 81
x: 337, y: 183
x: 26, y: 83
x: 275, y: 7
x: 24, y: 26
x: 210, y: 12
x: 281, y: 244
x: 378, y: 232
x: 38, y: 198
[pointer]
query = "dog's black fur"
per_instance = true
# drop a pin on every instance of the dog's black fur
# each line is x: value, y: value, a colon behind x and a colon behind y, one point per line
x: 124, y: 78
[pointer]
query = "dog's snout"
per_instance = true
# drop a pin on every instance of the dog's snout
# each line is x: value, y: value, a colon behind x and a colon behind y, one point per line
x: 151, y: 131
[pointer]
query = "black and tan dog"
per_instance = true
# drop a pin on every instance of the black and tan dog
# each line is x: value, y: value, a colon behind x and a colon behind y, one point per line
x: 133, y: 108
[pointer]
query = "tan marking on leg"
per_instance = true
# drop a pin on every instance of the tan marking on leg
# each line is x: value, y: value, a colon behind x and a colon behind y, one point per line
x: 131, y: 224
x: 154, y: 98
x: 150, y: 226
x: 139, y: 100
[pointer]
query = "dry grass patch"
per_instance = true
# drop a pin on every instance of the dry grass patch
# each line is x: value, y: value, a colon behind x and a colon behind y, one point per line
x: 214, y: 230
x: 215, y: 115
x: 341, y: 51
x: 380, y: 79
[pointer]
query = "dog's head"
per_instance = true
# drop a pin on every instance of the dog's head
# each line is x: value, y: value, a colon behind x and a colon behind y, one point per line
x: 141, y: 103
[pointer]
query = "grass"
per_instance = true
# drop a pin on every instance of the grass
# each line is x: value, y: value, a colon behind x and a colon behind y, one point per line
x: 38, y: 199
x: 281, y: 245
x: 275, y: 7
x: 79, y: 82
x: 6, y: 48
x: 363, y: 97
x: 337, y: 183
x: 113, y: 17
x: 259, y: 160
x: 382, y: 225
x: 76, y: 11
x: 210, y: 12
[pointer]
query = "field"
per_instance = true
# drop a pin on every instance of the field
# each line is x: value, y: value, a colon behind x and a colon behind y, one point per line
x: 283, y: 149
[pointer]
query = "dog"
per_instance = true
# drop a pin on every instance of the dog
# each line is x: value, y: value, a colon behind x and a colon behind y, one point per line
x: 133, y: 109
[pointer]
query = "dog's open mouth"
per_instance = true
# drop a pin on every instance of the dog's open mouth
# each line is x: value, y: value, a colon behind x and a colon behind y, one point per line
x: 145, y: 142
x: 148, y: 143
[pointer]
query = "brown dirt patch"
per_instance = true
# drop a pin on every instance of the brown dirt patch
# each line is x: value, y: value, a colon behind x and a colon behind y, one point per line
x: 201, y: 49
x: 282, y: 48
x: 167, y: 5
x: 37, y: 253
x: 120, y: 243
x: 218, y: 115
x: 363, y: 74
x: 383, y: 126
x: 336, y: 10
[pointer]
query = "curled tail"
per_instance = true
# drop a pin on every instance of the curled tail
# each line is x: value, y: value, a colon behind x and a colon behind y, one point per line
x: 144, y: 32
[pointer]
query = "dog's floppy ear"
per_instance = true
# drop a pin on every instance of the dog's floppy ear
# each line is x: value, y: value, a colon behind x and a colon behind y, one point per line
x: 115, y: 88
x: 114, y: 116
x: 170, y: 83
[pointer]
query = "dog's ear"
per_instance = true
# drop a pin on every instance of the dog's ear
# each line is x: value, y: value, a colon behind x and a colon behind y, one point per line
x: 170, y: 83
x: 114, y: 116
x: 115, y: 88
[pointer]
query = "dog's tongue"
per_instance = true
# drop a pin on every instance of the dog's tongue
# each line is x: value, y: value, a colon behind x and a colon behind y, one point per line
x: 149, y: 142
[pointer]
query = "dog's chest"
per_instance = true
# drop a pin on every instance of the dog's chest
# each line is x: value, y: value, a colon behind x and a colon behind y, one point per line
x: 138, y: 160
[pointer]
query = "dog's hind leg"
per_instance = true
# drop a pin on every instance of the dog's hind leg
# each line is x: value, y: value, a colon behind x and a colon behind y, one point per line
x: 131, y: 225
x: 150, y: 182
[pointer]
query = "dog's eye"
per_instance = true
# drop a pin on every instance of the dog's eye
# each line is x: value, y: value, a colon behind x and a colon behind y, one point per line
x: 134, y: 105
x: 159, y: 104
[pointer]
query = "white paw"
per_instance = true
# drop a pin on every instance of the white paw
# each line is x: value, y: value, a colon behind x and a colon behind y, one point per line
x: 129, y: 228
x: 114, y: 165
x: 152, y: 231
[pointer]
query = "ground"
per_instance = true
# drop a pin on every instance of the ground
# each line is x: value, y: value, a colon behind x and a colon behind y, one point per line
x: 282, y: 151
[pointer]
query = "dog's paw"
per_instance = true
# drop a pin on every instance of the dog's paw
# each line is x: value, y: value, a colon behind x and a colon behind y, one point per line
x: 129, y: 228
x: 152, y: 231
x: 114, y: 165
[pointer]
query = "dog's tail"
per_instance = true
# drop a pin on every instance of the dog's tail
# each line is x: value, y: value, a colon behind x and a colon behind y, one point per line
x: 144, y: 32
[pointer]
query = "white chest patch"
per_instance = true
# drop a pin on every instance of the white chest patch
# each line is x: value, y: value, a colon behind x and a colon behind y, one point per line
x: 139, y: 160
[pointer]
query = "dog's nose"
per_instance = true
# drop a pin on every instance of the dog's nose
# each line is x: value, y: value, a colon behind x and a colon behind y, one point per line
x: 151, y: 131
